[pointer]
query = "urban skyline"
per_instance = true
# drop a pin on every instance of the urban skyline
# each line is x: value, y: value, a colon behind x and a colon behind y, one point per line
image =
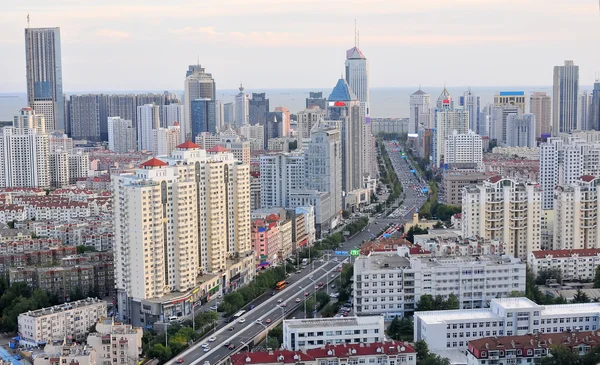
x: 384, y: 36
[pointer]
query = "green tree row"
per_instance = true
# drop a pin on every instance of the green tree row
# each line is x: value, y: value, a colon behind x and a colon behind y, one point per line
x: 429, y: 303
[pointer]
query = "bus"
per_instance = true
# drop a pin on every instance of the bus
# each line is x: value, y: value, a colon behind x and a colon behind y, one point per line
x: 280, y: 285
x: 239, y: 314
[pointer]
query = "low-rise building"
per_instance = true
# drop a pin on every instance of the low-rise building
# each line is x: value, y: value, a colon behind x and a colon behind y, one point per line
x: 116, y: 343
x: 453, y: 329
x: 448, y: 242
x: 527, y: 349
x: 573, y: 264
x: 390, y: 284
x: 50, y: 324
x: 303, y: 334
x: 67, y: 352
x: 388, y: 352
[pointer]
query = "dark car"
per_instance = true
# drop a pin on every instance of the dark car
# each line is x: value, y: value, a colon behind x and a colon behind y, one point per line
x: 231, y: 346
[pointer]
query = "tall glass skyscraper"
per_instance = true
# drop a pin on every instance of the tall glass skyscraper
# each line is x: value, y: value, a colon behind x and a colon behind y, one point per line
x: 44, y: 76
x: 204, y: 117
x: 564, y: 98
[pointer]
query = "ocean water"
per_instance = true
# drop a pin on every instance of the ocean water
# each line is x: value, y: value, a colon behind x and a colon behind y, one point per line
x: 385, y: 102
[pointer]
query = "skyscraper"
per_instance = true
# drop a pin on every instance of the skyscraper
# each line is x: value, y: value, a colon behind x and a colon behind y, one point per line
x: 594, y: 122
x: 540, y: 105
x: 447, y: 120
x: 324, y: 164
x: 203, y: 116
x: 511, y: 99
x: 165, y: 140
x: 520, y: 130
x: 196, y: 220
x: 259, y: 108
x: 229, y: 113
x: 88, y: 117
x: 28, y: 118
x: 316, y: 99
x: 345, y: 108
x: 564, y: 98
x: 307, y: 119
x: 148, y: 117
x: 583, y: 110
x: 219, y: 114
x: 198, y: 85
x: 44, y: 75
x: 242, y: 107
x: 357, y: 76
x: 420, y: 105
x: 471, y: 103
x: 124, y: 106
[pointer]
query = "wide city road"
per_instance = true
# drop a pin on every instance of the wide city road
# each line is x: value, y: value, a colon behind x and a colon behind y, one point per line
x: 240, y: 334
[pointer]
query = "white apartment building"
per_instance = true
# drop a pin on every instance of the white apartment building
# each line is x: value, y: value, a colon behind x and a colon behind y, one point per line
x: 67, y: 352
x: 540, y: 105
x: 324, y: 218
x: 165, y: 140
x: 121, y: 135
x: 24, y: 158
x: 575, y: 264
x: 521, y: 130
x: 464, y: 150
x: 499, y: 120
x: 304, y: 334
x: 447, y: 120
x: 148, y: 119
x: 453, y: 329
x: 324, y: 165
x: 281, y: 144
x: 28, y: 118
x: 255, y: 134
x: 56, y: 323
x: 448, y: 242
x: 67, y: 167
x: 116, y: 343
x: 390, y: 284
x: 307, y: 119
x: 502, y: 209
x: 577, y: 214
x: 280, y: 175
x: 58, y: 141
x: 564, y: 159
x: 242, y: 107
x: 162, y: 248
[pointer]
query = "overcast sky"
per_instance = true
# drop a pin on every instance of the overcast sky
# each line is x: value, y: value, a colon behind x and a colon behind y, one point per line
x: 110, y: 45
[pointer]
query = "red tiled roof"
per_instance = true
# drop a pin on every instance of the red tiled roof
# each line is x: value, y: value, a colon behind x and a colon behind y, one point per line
x: 176, y: 124
x: 566, y: 253
x: 154, y: 162
x: 218, y: 149
x: 188, y: 145
x: 328, y: 351
x: 495, y: 179
x: 587, y: 178
x: 533, y: 341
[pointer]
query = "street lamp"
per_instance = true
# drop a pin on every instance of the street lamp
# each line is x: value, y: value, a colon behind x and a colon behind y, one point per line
x: 314, y: 293
x: 267, y: 329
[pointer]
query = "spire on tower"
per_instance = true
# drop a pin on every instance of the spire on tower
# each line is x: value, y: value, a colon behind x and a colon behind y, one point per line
x: 355, y: 35
x: 27, y: 20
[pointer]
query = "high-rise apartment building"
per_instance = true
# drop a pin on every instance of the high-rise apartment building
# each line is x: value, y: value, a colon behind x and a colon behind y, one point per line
x: 24, y: 158
x: 176, y: 218
x: 511, y: 98
x: 165, y: 140
x: 44, y: 76
x: 499, y: 121
x: 198, y: 85
x: 59, y: 141
x: 357, y: 77
x: 219, y: 114
x: 124, y: 106
x: 345, y: 108
x: 255, y: 134
x: 170, y: 114
x: 148, y: 117
x: 471, y: 103
x: 242, y: 107
x: 203, y: 117
x: 504, y: 210
x: 88, y: 117
x: 420, y: 111
x: 28, y: 118
x: 324, y: 164
x: 447, y: 120
x: 584, y: 107
x: 464, y: 151
x: 564, y: 98
x: 258, y: 108
x: 577, y: 214
x: 521, y: 130
x: 280, y: 175
x: 540, y: 105
x: 316, y: 99
x: 307, y: 119
x: 121, y: 135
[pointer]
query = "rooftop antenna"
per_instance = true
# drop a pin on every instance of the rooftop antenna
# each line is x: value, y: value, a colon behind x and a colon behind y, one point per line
x: 198, y: 60
x: 355, y: 35
x: 357, y: 39
x: 28, y: 25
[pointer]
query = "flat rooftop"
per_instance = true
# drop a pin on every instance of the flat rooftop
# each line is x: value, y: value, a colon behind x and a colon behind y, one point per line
x: 516, y: 303
x: 567, y: 309
x: 333, y: 322
x: 432, y: 317
x: 64, y: 307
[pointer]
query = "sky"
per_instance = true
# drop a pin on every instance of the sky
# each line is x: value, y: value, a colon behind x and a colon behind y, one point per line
x: 119, y: 45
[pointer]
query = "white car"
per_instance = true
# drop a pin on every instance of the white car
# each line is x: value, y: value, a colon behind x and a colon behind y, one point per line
x: 242, y: 320
x: 213, y: 308
x: 279, y: 301
x: 204, y: 345
x: 207, y: 349
x: 212, y: 339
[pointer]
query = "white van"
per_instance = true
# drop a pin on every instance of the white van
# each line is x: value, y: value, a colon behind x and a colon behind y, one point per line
x: 173, y: 319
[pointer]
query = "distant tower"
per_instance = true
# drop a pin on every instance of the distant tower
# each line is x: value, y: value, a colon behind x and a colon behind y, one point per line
x: 540, y: 105
x: 594, y: 122
x: 44, y: 75
x: 420, y: 104
x: 242, y: 107
x: 357, y: 74
x: 564, y: 98
x: 198, y: 85
x: 471, y: 103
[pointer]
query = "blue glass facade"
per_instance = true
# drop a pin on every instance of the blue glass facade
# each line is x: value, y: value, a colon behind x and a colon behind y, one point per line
x: 204, y: 117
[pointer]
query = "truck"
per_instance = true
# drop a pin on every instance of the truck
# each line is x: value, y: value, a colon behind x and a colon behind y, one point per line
x: 304, y: 262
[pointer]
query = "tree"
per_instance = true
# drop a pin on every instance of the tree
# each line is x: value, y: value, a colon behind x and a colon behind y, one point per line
x: 426, y: 303
x: 560, y: 355
x: 273, y: 343
x: 581, y: 297
x: 597, y: 277
x: 322, y: 298
x: 435, y: 360
x: 422, y: 350
x: 345, y: 214
x: 401, y: 329
x: 548, y: 274
x: 452, y: 302
x: 410, y: 235
x: 160, y: 352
